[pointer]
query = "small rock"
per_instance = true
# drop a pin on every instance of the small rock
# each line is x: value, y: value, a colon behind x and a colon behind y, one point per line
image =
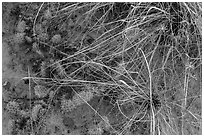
x: 56, y: 39
x: 51, y: 94
x: 28, y: 39
x: 45, y: 23
x: 47, y: 14
x: 21, y: 26
x: 35, y: 112
x: 68, y: 122
x: 19, y: 38
x: 28, y: 28
x: 38, y: 29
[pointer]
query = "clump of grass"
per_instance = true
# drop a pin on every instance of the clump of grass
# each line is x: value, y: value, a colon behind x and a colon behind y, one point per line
x: 140, y: 51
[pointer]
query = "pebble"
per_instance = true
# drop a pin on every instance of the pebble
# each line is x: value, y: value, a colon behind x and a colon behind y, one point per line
x: 38, y: 29
x: 56, y: 39
x: 47, y: 14
x: 28, y: 39
x: 21, y: 26
x: 19, y: 38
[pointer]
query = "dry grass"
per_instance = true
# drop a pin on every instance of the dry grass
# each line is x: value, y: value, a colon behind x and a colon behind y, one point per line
x: 145, y: 57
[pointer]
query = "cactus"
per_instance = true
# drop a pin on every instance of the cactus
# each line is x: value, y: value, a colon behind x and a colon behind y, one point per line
x: 12, y: 107
x: 41, y: 91
x: 68, y: 105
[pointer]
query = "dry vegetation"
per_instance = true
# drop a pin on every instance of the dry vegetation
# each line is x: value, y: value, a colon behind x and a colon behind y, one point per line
x: 102, y: 68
